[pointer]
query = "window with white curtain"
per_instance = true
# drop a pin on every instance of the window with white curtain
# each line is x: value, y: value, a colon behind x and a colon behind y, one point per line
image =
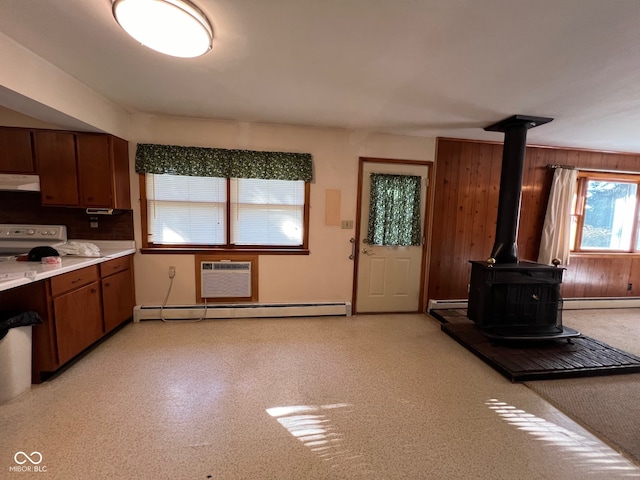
x: 189, y: 210
x: 605, y: 213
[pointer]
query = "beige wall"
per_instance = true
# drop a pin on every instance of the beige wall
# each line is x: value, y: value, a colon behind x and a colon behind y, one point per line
x: 51, y: 97
x: 324, y: 275
x: 33, y: 86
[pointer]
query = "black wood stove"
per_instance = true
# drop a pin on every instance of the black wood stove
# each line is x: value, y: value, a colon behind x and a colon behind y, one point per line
x: 509, y: 299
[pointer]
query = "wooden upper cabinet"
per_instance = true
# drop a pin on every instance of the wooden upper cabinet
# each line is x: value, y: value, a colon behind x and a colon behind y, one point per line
x: 56, y: 165
x: 103, y: 171
x: 120, y: 162
x: 16, y: 151
x: 94, y: 170
x: 88, y: 170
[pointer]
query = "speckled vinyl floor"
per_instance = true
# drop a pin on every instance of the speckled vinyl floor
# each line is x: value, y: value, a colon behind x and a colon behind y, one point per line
x: 365, y: 397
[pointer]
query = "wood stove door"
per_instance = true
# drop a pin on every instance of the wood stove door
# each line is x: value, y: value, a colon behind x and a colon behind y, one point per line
x: 389, y: 277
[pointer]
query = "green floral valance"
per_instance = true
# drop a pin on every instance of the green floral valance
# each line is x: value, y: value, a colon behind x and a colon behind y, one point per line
x: 220, y: 162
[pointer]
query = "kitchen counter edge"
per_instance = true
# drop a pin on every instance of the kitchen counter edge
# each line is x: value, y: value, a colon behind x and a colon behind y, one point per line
x: 69, y: 264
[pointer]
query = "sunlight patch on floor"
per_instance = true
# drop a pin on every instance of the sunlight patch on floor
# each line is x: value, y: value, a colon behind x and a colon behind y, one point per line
x: 314, y: 427
x: 588, y: 453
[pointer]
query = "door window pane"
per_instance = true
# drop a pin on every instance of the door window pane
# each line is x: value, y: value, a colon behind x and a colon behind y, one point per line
x: 608, y: 215
x: 394, y: 210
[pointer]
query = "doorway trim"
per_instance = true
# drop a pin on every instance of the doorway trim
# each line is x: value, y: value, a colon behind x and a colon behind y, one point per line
x: 427, y: 223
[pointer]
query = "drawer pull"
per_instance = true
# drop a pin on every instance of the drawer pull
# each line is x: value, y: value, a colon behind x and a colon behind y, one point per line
x: 76, y: 281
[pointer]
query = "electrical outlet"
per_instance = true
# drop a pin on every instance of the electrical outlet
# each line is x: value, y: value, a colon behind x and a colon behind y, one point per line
x: 172, y: 272
x: 629, y: 286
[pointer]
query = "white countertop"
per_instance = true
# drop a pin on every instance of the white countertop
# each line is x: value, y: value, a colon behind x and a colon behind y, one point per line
x: 35, y: 271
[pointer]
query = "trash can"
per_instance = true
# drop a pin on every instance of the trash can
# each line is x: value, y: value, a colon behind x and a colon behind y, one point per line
x: 15, y: 353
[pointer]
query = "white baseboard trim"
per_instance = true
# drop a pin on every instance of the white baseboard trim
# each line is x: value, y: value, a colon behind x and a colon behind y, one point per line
x: 568, y: 303
x: 248, y: 310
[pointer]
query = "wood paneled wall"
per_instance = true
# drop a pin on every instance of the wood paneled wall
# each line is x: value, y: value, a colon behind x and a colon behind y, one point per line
x: 467, y: 181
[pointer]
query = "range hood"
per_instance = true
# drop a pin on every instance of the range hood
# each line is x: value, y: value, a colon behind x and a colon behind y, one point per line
x: 19, y: 183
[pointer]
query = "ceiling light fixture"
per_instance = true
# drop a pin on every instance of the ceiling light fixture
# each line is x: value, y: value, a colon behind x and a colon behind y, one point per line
x: 173, y: 27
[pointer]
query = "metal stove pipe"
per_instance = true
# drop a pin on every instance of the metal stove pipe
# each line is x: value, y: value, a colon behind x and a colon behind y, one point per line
x: 505, y: 248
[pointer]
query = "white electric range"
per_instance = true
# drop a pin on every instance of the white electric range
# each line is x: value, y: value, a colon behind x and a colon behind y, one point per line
x: 16, y: 240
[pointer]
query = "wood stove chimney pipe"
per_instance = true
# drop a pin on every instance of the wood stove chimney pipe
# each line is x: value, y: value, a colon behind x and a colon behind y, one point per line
x: 505, y: 248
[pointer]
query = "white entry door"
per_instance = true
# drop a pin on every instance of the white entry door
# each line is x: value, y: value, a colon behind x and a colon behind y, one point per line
x: 388, y: 278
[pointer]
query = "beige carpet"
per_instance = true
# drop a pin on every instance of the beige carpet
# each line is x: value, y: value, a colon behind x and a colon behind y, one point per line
x: 607, y: 406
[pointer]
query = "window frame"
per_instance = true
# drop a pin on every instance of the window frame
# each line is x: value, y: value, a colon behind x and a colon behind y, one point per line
x: 578, y: 211
x: 149, y: 247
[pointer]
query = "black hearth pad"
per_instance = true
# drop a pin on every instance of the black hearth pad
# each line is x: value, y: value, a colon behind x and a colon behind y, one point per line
x: 524, y: 361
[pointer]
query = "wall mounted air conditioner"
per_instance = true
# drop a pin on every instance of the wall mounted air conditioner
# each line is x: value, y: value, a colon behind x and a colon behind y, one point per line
x: 225, y: 279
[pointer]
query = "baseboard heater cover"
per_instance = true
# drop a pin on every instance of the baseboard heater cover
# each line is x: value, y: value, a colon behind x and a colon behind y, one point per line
x: 249, y: 310
x: 568, y: 303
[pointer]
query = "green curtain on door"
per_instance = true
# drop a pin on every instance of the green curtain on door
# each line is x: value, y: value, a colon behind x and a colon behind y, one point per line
x: 394, y: 210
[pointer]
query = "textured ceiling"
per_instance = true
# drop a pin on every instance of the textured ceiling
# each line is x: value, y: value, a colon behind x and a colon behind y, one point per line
x: 413, y: 67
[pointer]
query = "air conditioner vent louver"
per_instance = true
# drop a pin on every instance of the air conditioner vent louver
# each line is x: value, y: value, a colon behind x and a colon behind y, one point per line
x: 232, y: 266
x: 224, y: 279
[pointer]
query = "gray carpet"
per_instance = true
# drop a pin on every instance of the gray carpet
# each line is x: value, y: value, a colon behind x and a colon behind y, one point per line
x: 609, y: 407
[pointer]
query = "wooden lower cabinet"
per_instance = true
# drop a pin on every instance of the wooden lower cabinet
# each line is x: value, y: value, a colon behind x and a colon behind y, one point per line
x: 78, y: 309
x: 118, y: 297
x: 78, y: 320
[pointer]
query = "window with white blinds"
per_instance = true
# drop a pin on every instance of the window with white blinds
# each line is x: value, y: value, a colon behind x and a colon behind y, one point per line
x: 187, y: 210
x: 266, y: 212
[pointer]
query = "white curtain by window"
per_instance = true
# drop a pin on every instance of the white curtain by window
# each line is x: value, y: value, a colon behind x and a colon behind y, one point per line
x: 556, y: 231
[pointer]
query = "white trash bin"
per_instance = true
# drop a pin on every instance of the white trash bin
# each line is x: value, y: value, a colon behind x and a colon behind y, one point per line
x: 15, y: 363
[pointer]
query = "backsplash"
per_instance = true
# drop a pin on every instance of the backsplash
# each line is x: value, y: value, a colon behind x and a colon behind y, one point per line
x: 25, y: 208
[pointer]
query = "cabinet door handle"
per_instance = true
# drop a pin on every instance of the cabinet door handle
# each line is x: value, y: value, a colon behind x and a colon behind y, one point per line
x: 94, y: 290
x: 107, y: 284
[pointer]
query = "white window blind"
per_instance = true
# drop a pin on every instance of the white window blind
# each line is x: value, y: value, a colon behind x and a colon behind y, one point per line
x: 186, y: 210
x: 267, y: 212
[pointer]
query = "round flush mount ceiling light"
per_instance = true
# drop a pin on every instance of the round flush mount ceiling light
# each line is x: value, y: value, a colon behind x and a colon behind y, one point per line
x: 173, y: 27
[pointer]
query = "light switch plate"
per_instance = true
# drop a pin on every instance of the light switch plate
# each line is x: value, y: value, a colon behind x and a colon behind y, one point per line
x: 346, y: 224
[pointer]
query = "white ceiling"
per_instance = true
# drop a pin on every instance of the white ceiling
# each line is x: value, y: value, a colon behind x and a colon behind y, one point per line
x: 413, y: 67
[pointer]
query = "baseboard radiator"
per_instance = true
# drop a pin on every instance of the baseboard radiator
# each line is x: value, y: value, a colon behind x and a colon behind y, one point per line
x: 568, y: 303
x: 248, y: 310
